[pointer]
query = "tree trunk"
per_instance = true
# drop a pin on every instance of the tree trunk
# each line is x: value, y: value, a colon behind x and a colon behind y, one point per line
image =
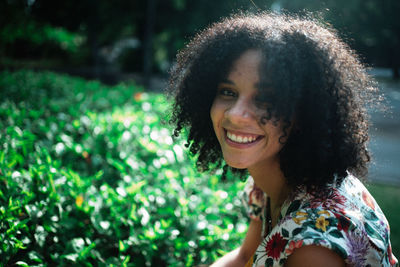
x: 93, y: 40
x: 396, y: 73
x: 148, y: 41
x: 394, y: 61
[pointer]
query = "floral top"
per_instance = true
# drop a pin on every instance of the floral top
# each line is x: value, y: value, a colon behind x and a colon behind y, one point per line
x: 348, y: 221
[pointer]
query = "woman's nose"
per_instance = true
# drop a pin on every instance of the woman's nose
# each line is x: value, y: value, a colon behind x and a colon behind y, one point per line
x: 240, y: 111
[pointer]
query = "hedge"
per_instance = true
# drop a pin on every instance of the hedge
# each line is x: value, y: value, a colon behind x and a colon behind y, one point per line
x: 90, y: 176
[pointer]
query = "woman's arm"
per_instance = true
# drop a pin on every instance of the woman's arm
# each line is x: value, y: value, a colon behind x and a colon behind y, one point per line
x: 314, y: 256
x: 241, y: 255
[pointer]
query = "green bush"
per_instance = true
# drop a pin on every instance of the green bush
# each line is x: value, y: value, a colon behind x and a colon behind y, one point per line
x: 90, y: 176
x: 39, y: 34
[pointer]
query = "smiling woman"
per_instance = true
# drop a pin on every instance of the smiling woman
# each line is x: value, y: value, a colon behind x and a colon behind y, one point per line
x: 244, y: 141
x: 283, y: 99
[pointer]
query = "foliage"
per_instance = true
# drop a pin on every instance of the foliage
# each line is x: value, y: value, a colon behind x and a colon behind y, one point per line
x: 388, y: 197
x: 371, y: 27
x: 40, y: 34
x: 90, y: 176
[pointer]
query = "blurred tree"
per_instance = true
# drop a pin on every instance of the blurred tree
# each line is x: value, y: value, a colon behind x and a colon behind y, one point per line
x: 178, y: 20
x: 102, y: 22
x: 371, y: 27
x: 95, y: 24
x: 374, y: 26
x: 148, y: 40
x: 86, y: 32
x: 21, y: 35
x: 162, y: 29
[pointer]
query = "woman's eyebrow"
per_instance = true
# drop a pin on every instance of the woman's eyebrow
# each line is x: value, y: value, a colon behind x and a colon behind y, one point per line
x: 256, y: 85
x: 227, y: 82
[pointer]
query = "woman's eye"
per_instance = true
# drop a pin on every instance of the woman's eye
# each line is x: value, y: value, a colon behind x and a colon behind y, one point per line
x: 226, y: 92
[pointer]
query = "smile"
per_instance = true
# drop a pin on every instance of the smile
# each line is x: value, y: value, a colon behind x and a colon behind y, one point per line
x: 242, y: 138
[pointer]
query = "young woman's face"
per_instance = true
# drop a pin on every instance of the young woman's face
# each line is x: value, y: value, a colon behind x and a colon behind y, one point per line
x: 244, y: 140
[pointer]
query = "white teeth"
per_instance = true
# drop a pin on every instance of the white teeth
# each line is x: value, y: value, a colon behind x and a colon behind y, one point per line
x: 240, y: 139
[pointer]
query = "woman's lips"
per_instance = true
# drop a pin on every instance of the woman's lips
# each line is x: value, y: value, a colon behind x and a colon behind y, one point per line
x: 238, y: 139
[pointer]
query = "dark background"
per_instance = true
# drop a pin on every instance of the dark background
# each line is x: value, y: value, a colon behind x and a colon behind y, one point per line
x: 121, y: 39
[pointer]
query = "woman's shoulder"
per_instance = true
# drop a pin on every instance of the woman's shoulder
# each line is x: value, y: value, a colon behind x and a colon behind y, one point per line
x: 346, y: 220
x: 350, y: 199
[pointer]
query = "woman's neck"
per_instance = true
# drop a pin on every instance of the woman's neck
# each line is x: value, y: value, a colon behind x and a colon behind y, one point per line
x: 270, y: 179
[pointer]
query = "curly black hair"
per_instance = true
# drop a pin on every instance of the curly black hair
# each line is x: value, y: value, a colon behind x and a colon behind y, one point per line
x: 320, y: 91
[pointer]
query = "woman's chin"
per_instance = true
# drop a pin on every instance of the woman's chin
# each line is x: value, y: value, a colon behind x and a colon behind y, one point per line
x: 236, y: 165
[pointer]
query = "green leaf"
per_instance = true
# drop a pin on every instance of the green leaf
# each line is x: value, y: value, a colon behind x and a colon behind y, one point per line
x: 336, y: 233
x: 338, y: 249
x: 294, y: 206
x: 285, y: 233
x: 126, y: 261
x: 72, y: 257
x: 372, y: 232
x: 371, y: 216
x: 116, y: 164
x: 135, y: 187
x: 2, y: 155
x: 21, y: 263
x: 99, y: 175
x: 86, y: 250
x: 122, y: 247
x: 13, y: 162
x: 296, y: 231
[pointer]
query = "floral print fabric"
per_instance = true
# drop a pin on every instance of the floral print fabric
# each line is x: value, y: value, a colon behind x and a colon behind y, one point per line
x: 348, y: 221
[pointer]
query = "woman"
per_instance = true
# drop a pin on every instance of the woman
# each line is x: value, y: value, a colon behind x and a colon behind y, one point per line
x: 283, y: 99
